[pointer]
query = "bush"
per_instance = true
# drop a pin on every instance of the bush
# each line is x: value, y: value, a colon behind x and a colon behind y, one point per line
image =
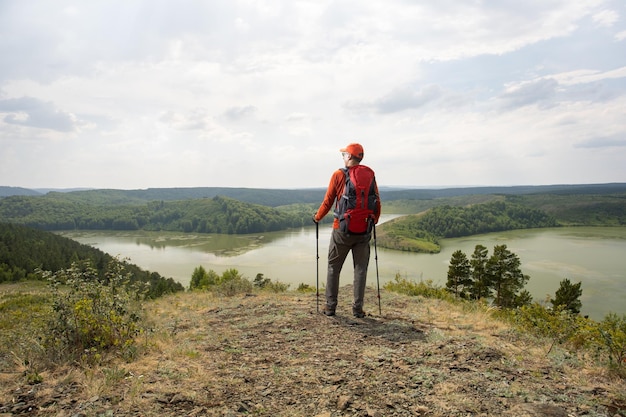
x: 424, y: 288
x: 231, y: 283
x: 611, y: 335
x: 92, y: 317
x: 305, y: 288
x: 559, y: 325
x: 201, y: 279
x: 269, y: 285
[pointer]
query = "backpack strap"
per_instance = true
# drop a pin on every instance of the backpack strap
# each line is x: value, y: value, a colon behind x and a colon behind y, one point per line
x: 346, y: 172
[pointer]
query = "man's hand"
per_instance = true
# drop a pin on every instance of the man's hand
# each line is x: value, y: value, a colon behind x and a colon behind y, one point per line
x: 313, y: 218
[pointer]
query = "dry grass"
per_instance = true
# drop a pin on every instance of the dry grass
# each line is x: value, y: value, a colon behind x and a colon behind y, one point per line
x: 273, y: 355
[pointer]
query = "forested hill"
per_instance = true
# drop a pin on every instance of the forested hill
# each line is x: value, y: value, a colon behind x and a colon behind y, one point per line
x: 9, y: 191
x: 194, y: 210
x: 262, y: 196
x: 280, y: 197
x: 23, y: 251
x: 205, y: 215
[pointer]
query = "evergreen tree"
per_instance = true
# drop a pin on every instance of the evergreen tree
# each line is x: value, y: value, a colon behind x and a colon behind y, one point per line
x: 459, y: 279
x: 480, y: 280
x: 506, y: 278
x: 568, y: 296
x: 198, y: 278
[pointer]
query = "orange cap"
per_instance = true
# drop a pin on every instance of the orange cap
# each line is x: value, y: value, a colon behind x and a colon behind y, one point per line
x: 354, y: 149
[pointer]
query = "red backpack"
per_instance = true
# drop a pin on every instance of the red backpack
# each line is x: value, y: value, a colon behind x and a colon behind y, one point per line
x: 356, y: 207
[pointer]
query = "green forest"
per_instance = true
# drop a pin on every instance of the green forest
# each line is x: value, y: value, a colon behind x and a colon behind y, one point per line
x: 421, y: 232
x: 25, y: 252
x: 206, y: 215
x: 450, y: 212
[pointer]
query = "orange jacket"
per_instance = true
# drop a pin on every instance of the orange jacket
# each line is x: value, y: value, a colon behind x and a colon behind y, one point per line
x: 334, y: 193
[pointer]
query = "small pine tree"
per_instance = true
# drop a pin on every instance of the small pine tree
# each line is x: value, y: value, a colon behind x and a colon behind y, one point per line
x: 568, y: 296
x: 507, y: 279
x: 459, y: 279
x: 480, y: 280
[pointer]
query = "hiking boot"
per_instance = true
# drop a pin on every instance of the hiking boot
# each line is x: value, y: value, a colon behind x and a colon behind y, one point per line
x: 328, y: 311
x: 358, y: 313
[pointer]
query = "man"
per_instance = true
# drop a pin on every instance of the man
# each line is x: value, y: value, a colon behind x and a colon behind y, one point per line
x: 342, y: 242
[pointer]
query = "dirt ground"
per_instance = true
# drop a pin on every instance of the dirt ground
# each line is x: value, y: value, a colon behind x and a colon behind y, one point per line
x: 274, y: 355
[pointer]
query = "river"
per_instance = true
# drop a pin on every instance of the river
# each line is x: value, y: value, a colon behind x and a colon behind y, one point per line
x: 595, y: 256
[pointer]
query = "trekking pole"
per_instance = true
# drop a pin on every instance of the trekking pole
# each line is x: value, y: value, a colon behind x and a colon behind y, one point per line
x: 317, y: 259
x: 376, y: 259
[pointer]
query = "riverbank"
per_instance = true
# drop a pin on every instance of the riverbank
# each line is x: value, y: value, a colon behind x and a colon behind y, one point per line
x: 273, y: 355
x: 591, y: 255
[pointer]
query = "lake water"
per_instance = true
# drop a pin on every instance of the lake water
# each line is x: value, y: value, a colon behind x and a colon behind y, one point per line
x: 595, y: 256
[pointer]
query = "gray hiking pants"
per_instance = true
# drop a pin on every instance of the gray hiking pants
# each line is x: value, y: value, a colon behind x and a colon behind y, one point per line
x: 340, y: 244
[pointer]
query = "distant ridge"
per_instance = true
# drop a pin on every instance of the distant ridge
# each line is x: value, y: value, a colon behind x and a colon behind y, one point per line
x: 422, y: 194
x: 278, y: 197
x: 9, y: 191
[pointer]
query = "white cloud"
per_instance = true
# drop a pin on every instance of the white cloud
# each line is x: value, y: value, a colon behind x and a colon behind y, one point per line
x: 149, y: 94
x: 606, y: 18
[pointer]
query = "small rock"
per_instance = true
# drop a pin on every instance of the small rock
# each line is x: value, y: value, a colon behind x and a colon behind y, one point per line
x: 177, y: 398
x: 373, y: 413
x: 343, y: 402
x: 421, y: 410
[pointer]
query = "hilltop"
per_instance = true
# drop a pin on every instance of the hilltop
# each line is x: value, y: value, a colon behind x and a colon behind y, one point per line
x: 271, y: 354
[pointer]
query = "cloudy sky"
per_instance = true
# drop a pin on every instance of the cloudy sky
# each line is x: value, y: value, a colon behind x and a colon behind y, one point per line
x: 242, y: 93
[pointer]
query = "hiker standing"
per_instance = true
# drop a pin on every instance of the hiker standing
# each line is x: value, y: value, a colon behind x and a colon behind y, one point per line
x: 354, y: 193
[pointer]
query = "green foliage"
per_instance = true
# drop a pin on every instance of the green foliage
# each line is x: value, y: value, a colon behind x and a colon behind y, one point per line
x: 480, y: 287
x: 23, y: 317
x: 230, y: 283
x: 425, y: 289
x: 24, y: 250
x: 267, y: 284
x: 448, y: 221
x: 561, y: 326
x: 405, y: 235
x: 459, y: 280
x: 201, y: 279
x: 506, y: 278
x: 499, y: 275
x: 306, y: 288
x: 611, y: 334
x: 56, y: 211
x: 260, y: 281
x: 558, y: 325
x: 420, y: 233
x: 92, y: 317
x: 568, y: 296
x: 598, y: 207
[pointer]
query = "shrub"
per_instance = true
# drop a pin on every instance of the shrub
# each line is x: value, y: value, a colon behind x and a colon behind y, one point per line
x: 268, y: 285
x: 305, y: 288
x: 611, y: 335
x: 231, y: 283
x: 260, y: 281
x: 558, y: 325
x: 424, y: 288
x: 201, y: 279
x: 90, y: 316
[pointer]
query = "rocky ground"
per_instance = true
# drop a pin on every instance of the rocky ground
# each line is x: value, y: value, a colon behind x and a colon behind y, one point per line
x: 274, y: 355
